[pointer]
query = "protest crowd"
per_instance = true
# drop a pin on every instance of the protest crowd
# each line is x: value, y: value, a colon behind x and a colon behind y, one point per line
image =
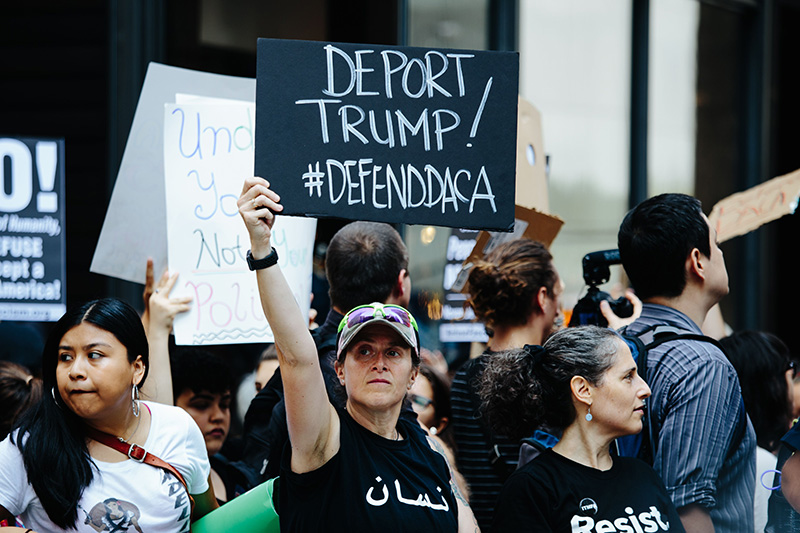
x: 551, y: 428
x: 662, y: 420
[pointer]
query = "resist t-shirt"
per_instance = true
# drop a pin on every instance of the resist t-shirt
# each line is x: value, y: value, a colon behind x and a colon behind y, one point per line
x: 554, y: 494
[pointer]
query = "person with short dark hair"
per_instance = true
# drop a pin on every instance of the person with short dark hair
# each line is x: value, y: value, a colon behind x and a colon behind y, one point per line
x: 56, y: 468
x: 367, y: 262
x: 584, y: 383
x: 704, y: 442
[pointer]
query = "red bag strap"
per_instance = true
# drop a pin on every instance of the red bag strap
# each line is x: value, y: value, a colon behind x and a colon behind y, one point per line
x: 137, y: 453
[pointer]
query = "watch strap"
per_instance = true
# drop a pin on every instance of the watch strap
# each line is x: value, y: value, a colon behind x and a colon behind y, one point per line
x: 258, y: 264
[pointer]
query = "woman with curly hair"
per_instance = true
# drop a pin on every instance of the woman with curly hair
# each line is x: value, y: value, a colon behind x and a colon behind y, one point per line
x: 583, y: 381
x: 515, y: 292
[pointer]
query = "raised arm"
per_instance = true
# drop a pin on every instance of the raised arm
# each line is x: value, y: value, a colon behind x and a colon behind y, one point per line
x: 312, y: 421
x: 161, y: 312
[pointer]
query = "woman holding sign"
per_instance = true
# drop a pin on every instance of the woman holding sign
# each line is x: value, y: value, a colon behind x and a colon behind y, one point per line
x: 362, y: 468
x: 76, y: 461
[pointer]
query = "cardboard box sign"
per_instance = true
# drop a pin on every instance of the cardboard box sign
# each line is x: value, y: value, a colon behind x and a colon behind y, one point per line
x: 742, y: 212
x: 531, y: 159
x: 529, y: 224
x: 389, y: 133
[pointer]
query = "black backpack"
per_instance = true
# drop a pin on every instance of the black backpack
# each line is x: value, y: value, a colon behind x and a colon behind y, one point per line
x: 644, y: 444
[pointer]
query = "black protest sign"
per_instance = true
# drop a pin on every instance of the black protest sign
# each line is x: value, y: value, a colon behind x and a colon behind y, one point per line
x: 392, y: 134
x: 32, y: 251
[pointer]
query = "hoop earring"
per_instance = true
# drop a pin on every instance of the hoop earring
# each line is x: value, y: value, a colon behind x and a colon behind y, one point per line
x: 589, y: 414
x: 55, y: 400
x: 135, y: 400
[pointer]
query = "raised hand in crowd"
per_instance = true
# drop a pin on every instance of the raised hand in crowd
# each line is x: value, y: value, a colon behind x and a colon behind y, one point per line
x: 161, y: 311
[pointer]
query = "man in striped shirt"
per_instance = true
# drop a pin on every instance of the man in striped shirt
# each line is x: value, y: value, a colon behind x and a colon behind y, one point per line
x: 669, y: 251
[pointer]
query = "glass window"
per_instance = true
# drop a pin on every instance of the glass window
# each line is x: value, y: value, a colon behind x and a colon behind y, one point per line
x: 672, y: 73
x: 448, y: 23
x: 575, y: 68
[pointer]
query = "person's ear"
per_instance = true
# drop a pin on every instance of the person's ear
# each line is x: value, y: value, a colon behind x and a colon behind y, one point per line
x: 400, y: 284
x: 414, y: 374
x: 696, y: 263
x: 442, y: 424
x: 541, y: 298
x: 138, y: 370
x: 581, y: 390
x: 339, y: 368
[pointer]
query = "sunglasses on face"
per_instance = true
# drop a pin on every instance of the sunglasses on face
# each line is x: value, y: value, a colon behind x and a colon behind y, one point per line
x: 365, y: 313
x: 421, y: 401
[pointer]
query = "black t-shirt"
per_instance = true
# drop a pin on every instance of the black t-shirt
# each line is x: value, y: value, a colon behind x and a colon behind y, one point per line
x: 553, y: 493
x: 236, y: 476
x: 372, y: 485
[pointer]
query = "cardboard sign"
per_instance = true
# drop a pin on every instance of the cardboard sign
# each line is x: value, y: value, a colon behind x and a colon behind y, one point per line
x: 530, y: 224
x: 531, y: 159
x: 208, y: 151
x: 743, y: 212
x: 32, y: 236
x: 123, y: 248
x: 391, y: 134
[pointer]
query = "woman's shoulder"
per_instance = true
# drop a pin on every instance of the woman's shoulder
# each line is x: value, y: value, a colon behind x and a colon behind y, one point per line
x: 168, y: 422
x: 163, y: 414
x: 10, y: 446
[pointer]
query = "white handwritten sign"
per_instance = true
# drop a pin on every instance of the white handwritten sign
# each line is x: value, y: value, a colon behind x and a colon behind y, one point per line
x: 123, y: 248
x: 392, y: 134
x: 743, y: 212
x: 208, y: 151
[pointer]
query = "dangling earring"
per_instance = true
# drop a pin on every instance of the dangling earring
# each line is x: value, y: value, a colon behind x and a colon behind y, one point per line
x: 53, y: 394
x: 589, y: 414
x: 433, y: 430
x: 135, y: 400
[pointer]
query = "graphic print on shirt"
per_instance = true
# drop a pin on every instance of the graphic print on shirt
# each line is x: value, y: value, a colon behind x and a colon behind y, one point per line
x: 113, y: 515
x: 178, y: 494
x: 649, y: 521
x: 422, y: 500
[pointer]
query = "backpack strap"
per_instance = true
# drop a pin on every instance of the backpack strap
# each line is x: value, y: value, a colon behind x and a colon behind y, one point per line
x: 657, y: 335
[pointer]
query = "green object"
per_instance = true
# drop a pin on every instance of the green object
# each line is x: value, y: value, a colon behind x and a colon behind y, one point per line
x: 252, y: 512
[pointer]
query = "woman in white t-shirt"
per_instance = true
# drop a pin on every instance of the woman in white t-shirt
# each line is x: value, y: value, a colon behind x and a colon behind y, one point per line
x: 55, y: 477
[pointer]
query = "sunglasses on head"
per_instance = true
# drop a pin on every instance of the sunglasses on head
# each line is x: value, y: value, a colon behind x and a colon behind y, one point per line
x: 365, y: 313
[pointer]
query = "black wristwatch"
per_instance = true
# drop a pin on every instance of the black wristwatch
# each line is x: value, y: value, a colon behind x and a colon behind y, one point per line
x: 258, y: 264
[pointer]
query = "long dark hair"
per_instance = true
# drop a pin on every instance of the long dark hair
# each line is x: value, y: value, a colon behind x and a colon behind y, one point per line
x: 761, y: 361
x: 527, y: 388
x: 51, y: 437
